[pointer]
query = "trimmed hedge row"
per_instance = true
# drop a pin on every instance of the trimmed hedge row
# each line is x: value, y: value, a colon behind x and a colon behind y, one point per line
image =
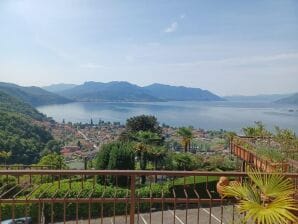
x: 95, y: 190
x: 76, y: 190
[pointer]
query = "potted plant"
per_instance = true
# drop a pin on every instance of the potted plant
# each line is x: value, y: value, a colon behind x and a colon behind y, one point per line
x: 265, y: 199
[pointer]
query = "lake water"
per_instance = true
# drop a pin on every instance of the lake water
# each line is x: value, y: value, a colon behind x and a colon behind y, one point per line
x: 226, y: 115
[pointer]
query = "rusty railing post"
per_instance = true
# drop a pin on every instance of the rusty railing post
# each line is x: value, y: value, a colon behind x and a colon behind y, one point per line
x: 132, y: 198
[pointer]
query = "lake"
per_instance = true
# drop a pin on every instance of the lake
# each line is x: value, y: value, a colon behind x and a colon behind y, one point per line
x: 228, y: 115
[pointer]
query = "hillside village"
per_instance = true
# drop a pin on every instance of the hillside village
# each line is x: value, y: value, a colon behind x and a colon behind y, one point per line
x: 85, y: 140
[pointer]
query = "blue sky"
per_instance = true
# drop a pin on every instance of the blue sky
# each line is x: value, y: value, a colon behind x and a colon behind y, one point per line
x: 226, y: 46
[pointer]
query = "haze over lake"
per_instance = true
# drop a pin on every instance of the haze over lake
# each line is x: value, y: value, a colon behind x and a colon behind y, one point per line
x: 207, y: 115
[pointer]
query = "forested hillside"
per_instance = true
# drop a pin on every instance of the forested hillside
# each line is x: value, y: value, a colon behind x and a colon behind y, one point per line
x: 12, y: 104
x: 34, y: 96
x: 21, y: 139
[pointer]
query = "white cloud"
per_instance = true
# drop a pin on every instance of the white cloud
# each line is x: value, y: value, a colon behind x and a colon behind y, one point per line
x: 182, y: 16
x: 172, y: 28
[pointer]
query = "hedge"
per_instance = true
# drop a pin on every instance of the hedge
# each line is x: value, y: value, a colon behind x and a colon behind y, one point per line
x: 83, y: 208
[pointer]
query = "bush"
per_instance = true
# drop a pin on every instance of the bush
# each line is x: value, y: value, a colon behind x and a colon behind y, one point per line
x: 88, y: 190
x: 54, y: 160
x: 182, y: 161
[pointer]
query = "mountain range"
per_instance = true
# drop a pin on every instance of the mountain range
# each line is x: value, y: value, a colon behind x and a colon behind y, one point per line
x: 119, y: 91
x: 58, y: 87
x: 32, y: 95
x: 291, y: 100
x: 125, y: 91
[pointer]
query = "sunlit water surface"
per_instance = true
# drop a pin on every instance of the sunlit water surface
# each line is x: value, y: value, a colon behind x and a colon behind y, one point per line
x: 226, y: 115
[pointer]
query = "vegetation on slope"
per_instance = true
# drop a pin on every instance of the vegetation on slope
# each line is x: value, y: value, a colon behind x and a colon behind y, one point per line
x: 12, y: 104
x: 21, y: 139
x: 34, y: 96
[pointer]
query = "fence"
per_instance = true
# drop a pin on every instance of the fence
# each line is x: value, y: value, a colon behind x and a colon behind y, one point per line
x: 116, y: 196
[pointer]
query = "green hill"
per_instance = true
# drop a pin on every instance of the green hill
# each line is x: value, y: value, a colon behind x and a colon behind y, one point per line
x: 12, y: 104
x: 34, y: 96
x: 20, y: 132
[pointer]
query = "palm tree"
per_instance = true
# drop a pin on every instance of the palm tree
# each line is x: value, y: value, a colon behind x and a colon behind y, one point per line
x: 268, y: 200
x: 186, y: 135
x: 145, y: 140
x: 156, y: 155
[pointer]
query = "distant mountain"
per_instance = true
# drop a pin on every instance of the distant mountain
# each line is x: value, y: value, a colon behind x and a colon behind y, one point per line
x: 112, y: 91
x: 125, y: 91
x: 180, y: 93
x: 34, y: 96
x: 292, y: 100
x: 257, y: 98
x: 58, y: 87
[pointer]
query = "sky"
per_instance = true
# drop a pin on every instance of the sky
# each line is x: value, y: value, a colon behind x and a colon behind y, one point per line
x: 230, y: 47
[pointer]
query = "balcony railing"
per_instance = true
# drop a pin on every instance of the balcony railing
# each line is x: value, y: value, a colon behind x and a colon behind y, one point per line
x: 117, y: 196
x: 252, y: 158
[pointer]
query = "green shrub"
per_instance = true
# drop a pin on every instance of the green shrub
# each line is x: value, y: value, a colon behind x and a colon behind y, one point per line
x: 89, y: 190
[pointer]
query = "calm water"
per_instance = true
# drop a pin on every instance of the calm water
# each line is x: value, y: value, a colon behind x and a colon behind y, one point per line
x: 208, y: 115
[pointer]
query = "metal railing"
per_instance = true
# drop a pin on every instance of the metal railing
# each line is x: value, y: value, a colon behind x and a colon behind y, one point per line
x: 117, y: 196
x: 25, y: 167
x: 253, y: 159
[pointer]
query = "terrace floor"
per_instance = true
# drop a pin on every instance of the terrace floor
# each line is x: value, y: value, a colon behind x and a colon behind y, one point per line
x: 216, y: 215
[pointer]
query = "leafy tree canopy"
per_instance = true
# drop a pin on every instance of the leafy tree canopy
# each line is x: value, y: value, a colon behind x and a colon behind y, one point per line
x: 143, y: 123
x: 24, y: 139
x: 54, y: 160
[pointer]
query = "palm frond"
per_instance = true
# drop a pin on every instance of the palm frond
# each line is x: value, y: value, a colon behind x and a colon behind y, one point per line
x: 272, y: 185
x: 267, y: 200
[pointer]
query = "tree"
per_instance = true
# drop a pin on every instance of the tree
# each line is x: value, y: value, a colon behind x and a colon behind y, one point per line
x: 184, y: 161
x: 103, y: 156
x: 143, y: 123
x: 121, y: 158
x: 267, y: 200
x: 54, y: 160
x: 186, y: 135
x: 116, y: 156
x: 156, y: 155
x: 145, y: 140
x: 5, y: 155
x: 52, y: 146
